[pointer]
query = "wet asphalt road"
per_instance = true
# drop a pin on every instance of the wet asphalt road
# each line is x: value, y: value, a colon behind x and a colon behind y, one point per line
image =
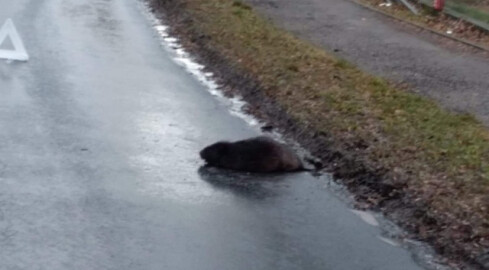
x: 99, y: 135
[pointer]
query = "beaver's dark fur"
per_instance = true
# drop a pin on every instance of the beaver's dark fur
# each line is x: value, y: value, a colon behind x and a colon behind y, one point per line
x: 259, y: 154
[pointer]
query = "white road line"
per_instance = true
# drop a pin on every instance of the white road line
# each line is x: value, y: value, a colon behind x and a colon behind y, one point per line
x: 19, y: 52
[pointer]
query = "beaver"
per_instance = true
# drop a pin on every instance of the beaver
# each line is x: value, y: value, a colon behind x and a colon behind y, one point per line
x: 260, y: 154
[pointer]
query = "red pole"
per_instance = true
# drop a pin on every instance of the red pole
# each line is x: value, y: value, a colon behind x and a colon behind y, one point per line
x: 438, y: 5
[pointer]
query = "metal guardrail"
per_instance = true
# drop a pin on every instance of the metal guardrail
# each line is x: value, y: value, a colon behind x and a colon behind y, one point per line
x: 409, y: 6
x: 449, y: 11
x: 466, y: 42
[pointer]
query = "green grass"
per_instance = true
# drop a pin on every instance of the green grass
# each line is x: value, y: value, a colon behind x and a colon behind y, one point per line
x: 444, y: 155
x: 470, y: 11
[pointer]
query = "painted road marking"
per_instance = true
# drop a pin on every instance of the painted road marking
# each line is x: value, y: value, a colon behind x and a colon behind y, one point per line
x: 18, y: 53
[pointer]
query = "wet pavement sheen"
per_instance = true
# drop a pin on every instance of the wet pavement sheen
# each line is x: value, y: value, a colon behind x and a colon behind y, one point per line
x: 99, y: 167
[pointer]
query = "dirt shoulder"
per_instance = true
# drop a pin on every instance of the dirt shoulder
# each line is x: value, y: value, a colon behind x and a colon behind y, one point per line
x: 424, y: 167
x: 441, y: 23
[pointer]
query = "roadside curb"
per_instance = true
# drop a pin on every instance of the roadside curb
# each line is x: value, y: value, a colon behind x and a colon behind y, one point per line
x: 466, y: 42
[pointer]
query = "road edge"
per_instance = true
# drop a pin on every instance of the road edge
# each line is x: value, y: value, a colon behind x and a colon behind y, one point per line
x: 361, y: 181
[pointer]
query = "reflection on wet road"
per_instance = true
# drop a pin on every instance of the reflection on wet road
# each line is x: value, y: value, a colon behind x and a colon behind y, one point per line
x: 99, y: 167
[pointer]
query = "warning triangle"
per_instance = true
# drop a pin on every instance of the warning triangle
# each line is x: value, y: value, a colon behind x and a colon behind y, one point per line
x: 18, y: 53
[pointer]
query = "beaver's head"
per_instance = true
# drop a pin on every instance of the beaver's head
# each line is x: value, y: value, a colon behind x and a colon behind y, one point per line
x: 214, y: 153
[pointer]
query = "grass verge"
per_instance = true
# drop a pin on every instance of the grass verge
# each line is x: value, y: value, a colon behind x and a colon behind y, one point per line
x: 435, y: 162
x: 470, y: 11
